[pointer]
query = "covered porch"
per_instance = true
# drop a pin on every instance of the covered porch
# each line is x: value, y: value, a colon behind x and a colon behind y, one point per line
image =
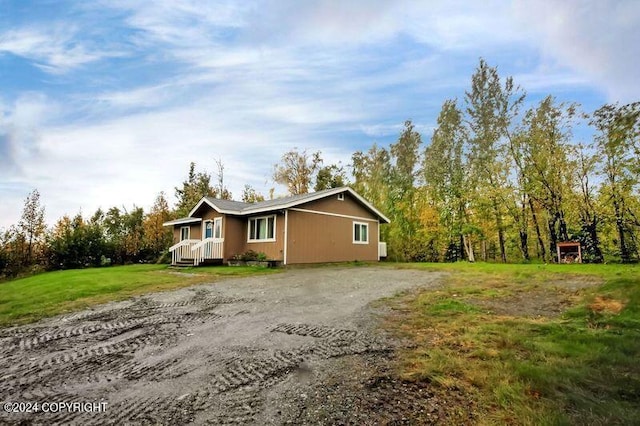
x: 199, y: 241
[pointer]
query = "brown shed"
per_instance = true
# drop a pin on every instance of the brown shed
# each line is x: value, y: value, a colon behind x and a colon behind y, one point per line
x: 569, y: 252
x: 334, y: 225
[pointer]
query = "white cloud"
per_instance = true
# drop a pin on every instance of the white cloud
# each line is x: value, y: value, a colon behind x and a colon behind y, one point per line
x: 599, y: 40
x: 246, y: 81
x: 55, y: 49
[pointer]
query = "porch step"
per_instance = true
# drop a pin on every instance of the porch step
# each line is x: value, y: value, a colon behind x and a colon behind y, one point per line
x: 183, y: 263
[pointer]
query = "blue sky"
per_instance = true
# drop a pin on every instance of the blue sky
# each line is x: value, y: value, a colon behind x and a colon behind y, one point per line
x: 105, y: 103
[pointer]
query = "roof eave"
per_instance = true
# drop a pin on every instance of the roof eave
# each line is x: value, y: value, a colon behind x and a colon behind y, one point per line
x: 181, y: 221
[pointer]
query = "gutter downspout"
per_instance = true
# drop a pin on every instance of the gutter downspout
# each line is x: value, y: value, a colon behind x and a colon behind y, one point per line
x: 286, y: 228
x: 378, y: 240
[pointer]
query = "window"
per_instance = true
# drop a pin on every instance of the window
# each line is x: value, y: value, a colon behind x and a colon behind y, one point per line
x: 262, y: 228
x: 360, y: 233
x: 340, y: 197
x: 217, y: 227
x: 184, y: 233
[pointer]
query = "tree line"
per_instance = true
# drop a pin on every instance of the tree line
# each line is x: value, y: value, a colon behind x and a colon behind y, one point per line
x: 498, y: 182
x: 501, y: 183
x: 495, y: 183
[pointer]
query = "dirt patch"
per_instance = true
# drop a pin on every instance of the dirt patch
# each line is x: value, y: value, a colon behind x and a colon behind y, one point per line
x: 299, y: 347
x: 603, y: 304
x: 548, y: 300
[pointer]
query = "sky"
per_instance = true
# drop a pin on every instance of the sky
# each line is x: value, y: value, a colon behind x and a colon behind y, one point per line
x: 105, y: 103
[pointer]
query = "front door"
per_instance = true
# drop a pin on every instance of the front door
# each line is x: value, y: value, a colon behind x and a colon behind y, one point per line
x: 208, y: 230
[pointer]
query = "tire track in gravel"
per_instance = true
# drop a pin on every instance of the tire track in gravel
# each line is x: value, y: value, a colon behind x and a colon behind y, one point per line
x: 212, y: 357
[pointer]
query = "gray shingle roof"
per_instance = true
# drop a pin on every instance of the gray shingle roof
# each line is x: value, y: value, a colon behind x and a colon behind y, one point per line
x: 228, y: 204
x: 240, y: 208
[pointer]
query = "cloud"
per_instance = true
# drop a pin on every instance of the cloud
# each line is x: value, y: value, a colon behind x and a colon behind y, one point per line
x: 246, y: 81
x: 55, y: 49
x: 20, y: 131
x: 598, y: 40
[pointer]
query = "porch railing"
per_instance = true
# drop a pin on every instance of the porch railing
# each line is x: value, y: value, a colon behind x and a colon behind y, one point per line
x: 182, y: 250
x: 209, y: 248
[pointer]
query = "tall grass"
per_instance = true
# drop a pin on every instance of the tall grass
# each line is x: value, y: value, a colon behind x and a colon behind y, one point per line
x: 582, y: 367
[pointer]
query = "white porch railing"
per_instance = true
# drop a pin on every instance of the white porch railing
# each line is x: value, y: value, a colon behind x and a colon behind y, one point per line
x: 209, y: 248
x: 182, y: 250
x: 382, y: 249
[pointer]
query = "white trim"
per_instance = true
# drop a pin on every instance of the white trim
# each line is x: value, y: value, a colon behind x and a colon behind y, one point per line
x: 286, y: 227
x: 266, y: 240
x: 181, y: 221
x: 353, y: 237
x: 203, y: 200
x: 188, y: 228
x: 341, y: 196
x: 334, y: 214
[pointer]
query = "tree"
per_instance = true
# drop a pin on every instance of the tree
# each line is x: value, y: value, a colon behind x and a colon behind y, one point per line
x: 157, y: 238
x: 124, y: 234
x: 32, y: 225
x: 250, y: 195
x: 332, y: 176
x: 445, y: 178
x: 197, y: 185
x: 491, y: 109
x: 549, y: 169
x: 12, y: 243
x: 76, y: 243
x: 618, y: 137
x: 296, y: 170
x: 221, y: 190
x: 587, y: 161
x: 403, y: 208
x: 372, y: 173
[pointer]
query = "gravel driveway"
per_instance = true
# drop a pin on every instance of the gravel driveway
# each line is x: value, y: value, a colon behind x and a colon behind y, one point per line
x: 268, y: 349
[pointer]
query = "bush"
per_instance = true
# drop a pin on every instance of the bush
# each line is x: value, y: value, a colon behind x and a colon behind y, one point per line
x: 250, y: 255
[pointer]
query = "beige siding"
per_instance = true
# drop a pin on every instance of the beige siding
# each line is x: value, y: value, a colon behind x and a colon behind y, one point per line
x: 349, y: 206
x: 315, y: 238
x: 237, y: 235
x: 234, y: 236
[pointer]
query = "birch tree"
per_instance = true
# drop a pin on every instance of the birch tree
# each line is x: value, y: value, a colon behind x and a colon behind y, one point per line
x: 491, y: 107
x: 618, y: 137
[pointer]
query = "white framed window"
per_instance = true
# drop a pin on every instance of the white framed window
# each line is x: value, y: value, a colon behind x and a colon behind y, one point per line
x: 217, y: 227
x: 340, y: 197
x: 185, y: 233
x: 360, y: 233
x: 262, y: 228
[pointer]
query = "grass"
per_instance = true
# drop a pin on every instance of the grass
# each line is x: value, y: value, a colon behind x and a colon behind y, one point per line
x: 30, y: 299
x: 476, y: 335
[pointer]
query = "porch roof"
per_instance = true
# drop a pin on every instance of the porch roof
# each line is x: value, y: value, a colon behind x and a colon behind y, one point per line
x: 182, y: 221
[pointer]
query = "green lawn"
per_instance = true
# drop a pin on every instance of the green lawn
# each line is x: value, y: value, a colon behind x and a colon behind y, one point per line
x: 29, y: 299
x: 476, y: 337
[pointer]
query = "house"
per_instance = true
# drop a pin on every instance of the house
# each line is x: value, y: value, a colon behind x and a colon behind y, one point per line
x: 334, y: 225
